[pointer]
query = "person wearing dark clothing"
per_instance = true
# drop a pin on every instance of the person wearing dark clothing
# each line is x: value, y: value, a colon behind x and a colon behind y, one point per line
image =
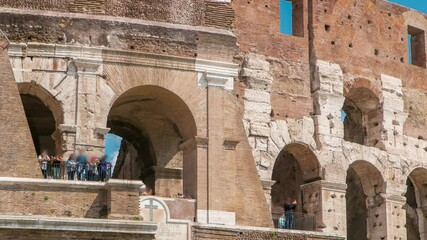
x: 289, y: 213
x: 82, y: 165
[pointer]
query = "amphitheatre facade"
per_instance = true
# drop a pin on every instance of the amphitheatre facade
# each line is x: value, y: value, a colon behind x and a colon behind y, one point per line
x: 222, y: 117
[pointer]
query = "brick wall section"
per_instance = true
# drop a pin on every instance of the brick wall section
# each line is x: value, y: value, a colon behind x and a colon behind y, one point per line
x: 257, y: 28
x: 6, y: 234
x: 16, y: 146
x: 218, y: 233
x: 188, y: 12
x: 218, y: 15
x: 369, y: 38
x: 53, y: 201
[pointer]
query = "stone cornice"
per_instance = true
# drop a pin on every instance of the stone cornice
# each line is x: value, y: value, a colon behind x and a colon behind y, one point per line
x: 212, y: 73
x: 77, y: 225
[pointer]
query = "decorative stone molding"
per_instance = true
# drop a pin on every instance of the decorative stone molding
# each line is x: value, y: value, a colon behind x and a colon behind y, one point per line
x: 216, y: 74
x: 230, y: 144
x: 202, y: 142
x: 189, y: 145
x: 101, y: 132
x: 67, y: 128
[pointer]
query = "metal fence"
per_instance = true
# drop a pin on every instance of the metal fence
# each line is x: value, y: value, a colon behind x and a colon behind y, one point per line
x: 299, y: 221
x: 99, y: 172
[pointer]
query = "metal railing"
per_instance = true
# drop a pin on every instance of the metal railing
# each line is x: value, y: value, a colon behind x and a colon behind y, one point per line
x: 294, y: 220
x: 99, y: 172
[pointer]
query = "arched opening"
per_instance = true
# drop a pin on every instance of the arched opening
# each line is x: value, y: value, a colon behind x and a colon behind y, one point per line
x: 44, y: 114
x: 363, y: 120
x: 365, y: 186
x: 41, y: 122
x: 153, y: 122
x: 295, y: 166
x: 416, y: 201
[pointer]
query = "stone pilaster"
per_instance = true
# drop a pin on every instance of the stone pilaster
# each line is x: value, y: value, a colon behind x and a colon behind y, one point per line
x: 326, y: 200
x: 396, y: 217
x: 328, y: 102
x: 394, y: 115
x: 89, y: 136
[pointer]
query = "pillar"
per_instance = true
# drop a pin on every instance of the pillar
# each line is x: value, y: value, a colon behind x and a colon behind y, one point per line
x: 396, y: 217
x: 89, y: 136
x: 326, y: 200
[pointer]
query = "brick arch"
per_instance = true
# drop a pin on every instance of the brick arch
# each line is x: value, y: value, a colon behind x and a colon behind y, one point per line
x: 182, y: 84
x: 363, y: 83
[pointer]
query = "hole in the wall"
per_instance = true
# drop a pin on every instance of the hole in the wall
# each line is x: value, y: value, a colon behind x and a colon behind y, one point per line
x: 420, y: 137
x: 402, y: 60
x: 376, y: 52
x: 369, y: 21
x: 326, y: 10
x: 389, y: 14
x: 349, y: 17
x: 350, y: 45
x: 195, y: 54
x: 132, y: 47
x: 327, y: 28
x: 333, y: 42
x: 389, y: 28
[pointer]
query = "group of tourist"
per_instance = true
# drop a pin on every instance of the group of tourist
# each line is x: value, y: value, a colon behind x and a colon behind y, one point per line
x: 78, y: 166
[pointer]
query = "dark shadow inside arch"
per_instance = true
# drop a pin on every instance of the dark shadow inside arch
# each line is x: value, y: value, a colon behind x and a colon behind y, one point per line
x: 41, y: 122
x: 363, y: 181
x: 153, y: 123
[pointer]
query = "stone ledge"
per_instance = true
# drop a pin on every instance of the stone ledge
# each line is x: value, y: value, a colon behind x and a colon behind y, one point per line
x: 70, y: 224
x: 70, y: 184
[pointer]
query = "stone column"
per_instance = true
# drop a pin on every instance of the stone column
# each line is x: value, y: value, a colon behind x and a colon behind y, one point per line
x: 394, y: 115
x: 326, y: 200
x: 89, y: 136
x: 377, y: 216
x: 396, y: 217
x: 328, y: 101
x: 422, y: 224
x: 266, y: 186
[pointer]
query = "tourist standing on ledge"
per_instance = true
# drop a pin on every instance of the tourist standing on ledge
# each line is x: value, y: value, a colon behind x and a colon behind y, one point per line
x: 71, y: 165
x: 43, y: 160
x: 289, y: 213
x: 81, y: 165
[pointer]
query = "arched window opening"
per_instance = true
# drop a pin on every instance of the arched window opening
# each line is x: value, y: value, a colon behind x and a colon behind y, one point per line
x: 363, y: 200
x: 295, y: 166
x: 362, y: 117
x: 153, y: 123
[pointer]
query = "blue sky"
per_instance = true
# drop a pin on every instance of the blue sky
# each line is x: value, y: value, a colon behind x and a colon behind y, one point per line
x: 286, y: 12
x: 112, y: 146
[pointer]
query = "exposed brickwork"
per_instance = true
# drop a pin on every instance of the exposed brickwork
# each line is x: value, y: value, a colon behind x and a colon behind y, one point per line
x: 53, y: 201
x: 16, y: 147
x: 218, y: 15
x: 218, y: 233
x: 6, y: 234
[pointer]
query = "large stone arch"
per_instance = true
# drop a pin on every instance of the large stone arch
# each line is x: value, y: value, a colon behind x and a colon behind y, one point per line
x: 416, y: 204
x: 295, y: 166
x: 365, y: 197
x: 155, y: 123
x: 34, y: 90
